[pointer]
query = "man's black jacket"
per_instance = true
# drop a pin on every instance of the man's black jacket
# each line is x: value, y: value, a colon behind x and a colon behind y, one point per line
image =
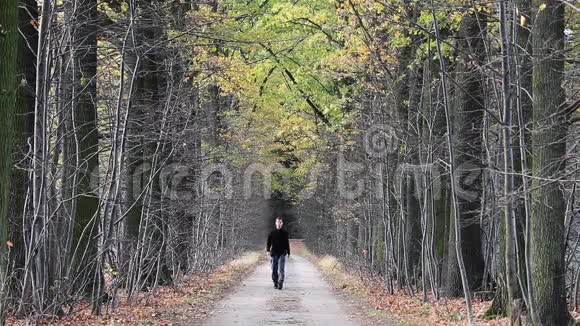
x: 278, y: 243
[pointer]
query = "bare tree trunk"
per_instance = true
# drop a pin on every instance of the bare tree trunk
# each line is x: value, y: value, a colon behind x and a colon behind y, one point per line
x: 454, y: 194
x: 468, y: 122
x: 510, y: 255
x: 84, y: 145
x: 8, y: 104
x: 524, y: 107
x: 550, y: 129
x: 38, y: 246
x: 28, y: 13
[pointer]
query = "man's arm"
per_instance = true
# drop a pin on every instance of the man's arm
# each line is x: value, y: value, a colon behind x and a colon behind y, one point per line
x: 269, y: 243
x: 287, y: 244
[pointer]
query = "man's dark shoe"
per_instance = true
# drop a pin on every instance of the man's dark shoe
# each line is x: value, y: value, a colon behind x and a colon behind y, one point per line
x: 280, y: 285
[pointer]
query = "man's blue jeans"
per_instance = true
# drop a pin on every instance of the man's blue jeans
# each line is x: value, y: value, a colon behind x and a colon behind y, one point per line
x: 278, y: 262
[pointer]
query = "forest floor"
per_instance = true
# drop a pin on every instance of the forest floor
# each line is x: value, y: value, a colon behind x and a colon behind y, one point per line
x: 404, y: 309
x: 184, y: 304
x: 238, y: 293
x: 317, y: 291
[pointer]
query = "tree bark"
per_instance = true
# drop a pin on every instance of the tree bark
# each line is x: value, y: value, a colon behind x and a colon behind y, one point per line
x: 468, y: 122
x: 550, y: 128
x: 8, y: 110
x: 457, y: 229
x: 27, y: 49
x: 39, y: 220
x: 85, y: 133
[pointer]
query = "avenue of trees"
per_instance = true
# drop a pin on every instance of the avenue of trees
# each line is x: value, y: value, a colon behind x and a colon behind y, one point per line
x: 432, y: 144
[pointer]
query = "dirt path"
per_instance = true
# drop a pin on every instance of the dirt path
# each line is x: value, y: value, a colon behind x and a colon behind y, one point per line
x: 305, y: 300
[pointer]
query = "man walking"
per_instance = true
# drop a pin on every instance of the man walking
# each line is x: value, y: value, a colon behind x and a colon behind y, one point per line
x: 278, y: 247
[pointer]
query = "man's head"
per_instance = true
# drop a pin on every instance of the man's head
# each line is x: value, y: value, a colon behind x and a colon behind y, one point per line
x: 279, y: 222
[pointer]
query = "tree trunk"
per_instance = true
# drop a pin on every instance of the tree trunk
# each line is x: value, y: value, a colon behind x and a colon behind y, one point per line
x: 142, y: 228
x: 134, y: 163
x: 412, y: 174
x: 468, y: 121
x: 550, y: 128
x: 524, y: 106
x: 510, y: 253
x: 522, y: 158
x: 453, y: 175
x: 40, y: 216
x: 27, y: 47
x: 406, y: 101
x: 86, y: 141
x: 8, y: 87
